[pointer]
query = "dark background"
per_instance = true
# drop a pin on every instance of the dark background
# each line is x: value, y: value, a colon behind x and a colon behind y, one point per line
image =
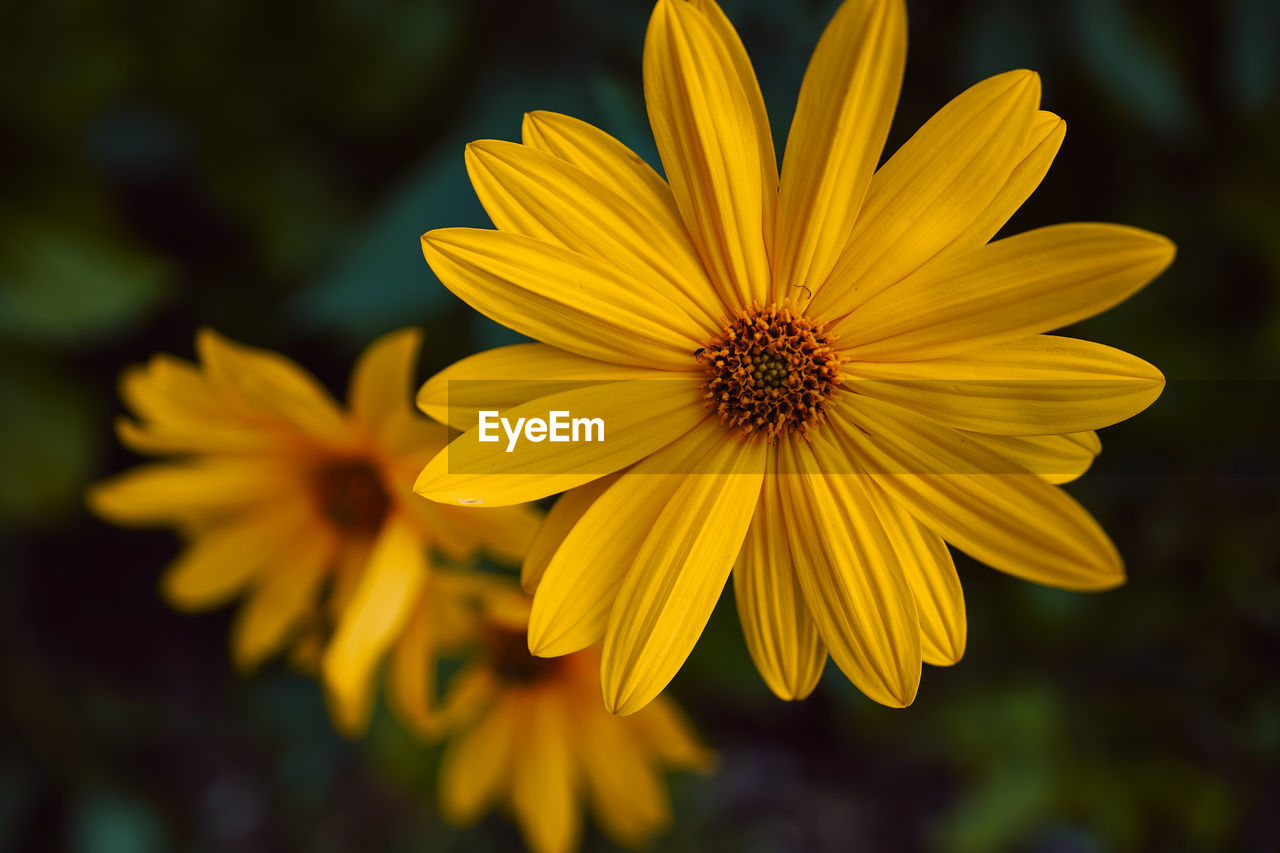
x: 266, y: 168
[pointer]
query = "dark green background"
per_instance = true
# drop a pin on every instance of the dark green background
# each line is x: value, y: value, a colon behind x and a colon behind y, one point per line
x: 266, y: 168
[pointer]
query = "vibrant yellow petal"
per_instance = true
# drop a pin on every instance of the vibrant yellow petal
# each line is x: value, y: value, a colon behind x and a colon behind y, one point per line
x: 680, y: 569
x: 411, y: 682
x: 576, y: 593
x: 621, y: 169
x: 604, y: 158
x: 270, y: 383
x: 1016, y: 287
x: 187, y: 492
x: 166, y: 386
x: 1043, y: 141
x: 973, y: 497
x: 379, y: 608
x: 183, y: 411
x: 561, y: 518
x: 505, y: 377
x: 537, y: 194
x: 222, y: 559
x: 477, y: 762
x: 671, y: 737
x: 780, y: 633
x: 842, y: 118
x: 285, y: 598
x: 383, y: 381
x: 853, y: 580
x: 626, y: 793
x: 932, y: 189
x: 1043, y: 385
x: 709, y: 123
x: 1056, y: 458
x: 640, y: 417
x: 544, y: 779
x: 931, y: 576
x: 563, y: 298
x: 722, y: 29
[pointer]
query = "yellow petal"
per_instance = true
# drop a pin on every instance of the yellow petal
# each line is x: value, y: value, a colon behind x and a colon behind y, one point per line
x: 562, y: 517
x: 563, y: 298
x: 935, y: 586
x: 183, y: 411
x: 576, y: 593
x: 187, y: 492
x: 166, y: 386
x: 780, y: 633
x: 1043, y: 385
x: 709, y: 123
x: 477, y: 762
x: 285, y: 598
x: 382, y: 382
x: 411, y: 682
x: 1056, y: 458
x: 722, y: 29
x: 678, y: 572
x: 222, y: 559
x: 853, y: 578
x: 932, y: 189
x: 970, y: 495
x: 534, y: 193
x: 604, y: 158
x: 626, y: 793
x: 505, y: 377
x: 473, y: 693
x: 269, y: 382
x: 1016, y: 287
x: 544, y: 779
x: 841, y: 121
x: 379, y: 608
x: 640, y: 417
x: 1042, y: 144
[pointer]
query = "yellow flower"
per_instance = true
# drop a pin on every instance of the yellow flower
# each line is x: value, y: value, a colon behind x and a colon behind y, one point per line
x: 529, y: 735
x: 300, y: 507
x: 852, y: 374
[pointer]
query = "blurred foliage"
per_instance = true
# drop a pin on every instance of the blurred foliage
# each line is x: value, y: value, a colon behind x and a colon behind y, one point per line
x: 266, y: 169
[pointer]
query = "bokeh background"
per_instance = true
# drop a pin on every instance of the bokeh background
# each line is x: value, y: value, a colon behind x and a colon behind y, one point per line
x: 266, y: 169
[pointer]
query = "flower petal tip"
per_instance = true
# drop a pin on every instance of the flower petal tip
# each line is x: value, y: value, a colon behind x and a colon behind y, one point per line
x: 620, y: 703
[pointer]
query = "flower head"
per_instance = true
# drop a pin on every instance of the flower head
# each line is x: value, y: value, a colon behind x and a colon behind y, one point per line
x: 528, y: 734
x: 300, y: 507
x: 815, y: 378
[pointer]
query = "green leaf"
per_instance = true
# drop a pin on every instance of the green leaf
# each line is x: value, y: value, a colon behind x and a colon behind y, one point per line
x: 65, y: 286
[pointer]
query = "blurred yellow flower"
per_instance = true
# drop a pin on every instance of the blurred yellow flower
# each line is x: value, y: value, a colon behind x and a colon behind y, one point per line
x: 529, y: 735
x: 300, y: 507
x: 852, y: 375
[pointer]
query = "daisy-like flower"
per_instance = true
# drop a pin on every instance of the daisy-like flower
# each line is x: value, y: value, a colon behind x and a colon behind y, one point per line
x: 814, y: 379
x: 528, y: 735
x: 300, y: 507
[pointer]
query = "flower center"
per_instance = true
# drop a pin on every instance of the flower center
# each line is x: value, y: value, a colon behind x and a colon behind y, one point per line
x: 769, y: 372
x: 508, y: 655
x: 350, y: 494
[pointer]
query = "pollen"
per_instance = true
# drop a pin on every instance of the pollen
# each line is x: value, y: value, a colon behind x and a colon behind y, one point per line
x: 350, y: 494
x: 770, y: 372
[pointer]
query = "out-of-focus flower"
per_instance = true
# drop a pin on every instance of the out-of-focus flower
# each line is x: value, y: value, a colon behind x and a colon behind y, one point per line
x: 815, y: 378
x: 531, y: 736
x: 300, y: 507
